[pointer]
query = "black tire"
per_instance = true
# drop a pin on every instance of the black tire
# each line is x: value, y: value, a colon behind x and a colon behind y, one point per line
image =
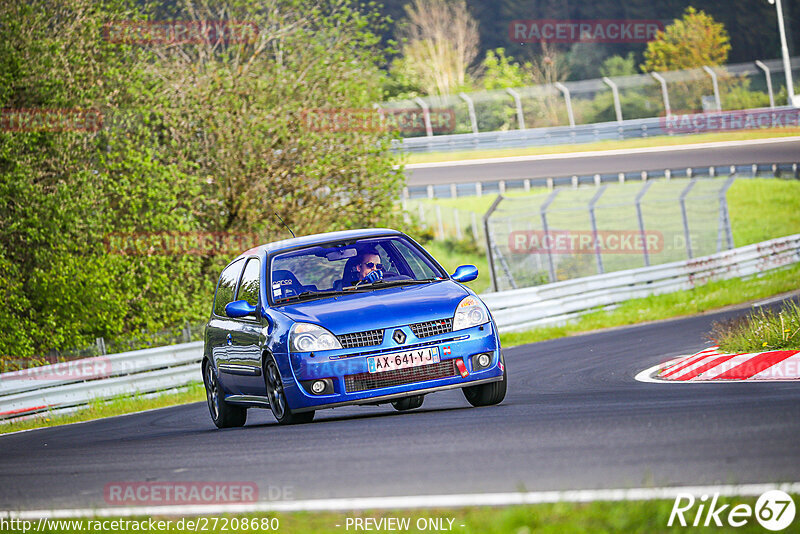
x: 223, y: 414
x: 408, y: 403
x: 487, y: 394
x: 277, y: 399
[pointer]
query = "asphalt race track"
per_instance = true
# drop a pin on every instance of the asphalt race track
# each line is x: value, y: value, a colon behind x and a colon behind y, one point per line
x: 574, y: 418
x: 781, y: 151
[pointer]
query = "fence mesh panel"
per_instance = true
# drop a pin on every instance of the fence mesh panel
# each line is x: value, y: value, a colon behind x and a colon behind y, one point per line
x: 576, y: 232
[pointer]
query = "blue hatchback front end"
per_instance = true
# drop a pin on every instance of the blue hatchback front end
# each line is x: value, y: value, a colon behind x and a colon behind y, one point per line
x: 397, y: 329
x: 345, y: 318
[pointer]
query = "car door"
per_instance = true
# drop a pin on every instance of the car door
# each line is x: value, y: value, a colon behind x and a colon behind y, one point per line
x: 244, y: 354
x: 219, y: 330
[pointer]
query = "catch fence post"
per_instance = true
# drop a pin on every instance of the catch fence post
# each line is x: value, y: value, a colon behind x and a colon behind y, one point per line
x: 546, y: 238
x: 593, y: 220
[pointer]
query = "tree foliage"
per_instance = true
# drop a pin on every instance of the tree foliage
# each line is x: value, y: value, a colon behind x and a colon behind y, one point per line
x: 441, y: 42
x: 501, y: 71
x: 693, y: 41
x: 210, y: 136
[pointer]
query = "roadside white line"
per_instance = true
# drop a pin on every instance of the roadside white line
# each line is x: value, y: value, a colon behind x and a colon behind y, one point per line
x: 600, y: 153
x: 768, y: 301
x: 413, y: 501
x: 646, y: 375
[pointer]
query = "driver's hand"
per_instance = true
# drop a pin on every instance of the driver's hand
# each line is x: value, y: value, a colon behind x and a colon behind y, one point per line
x: 374, y: 276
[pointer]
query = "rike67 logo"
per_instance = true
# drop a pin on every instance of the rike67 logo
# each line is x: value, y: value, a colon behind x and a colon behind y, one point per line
x: 774, y: 510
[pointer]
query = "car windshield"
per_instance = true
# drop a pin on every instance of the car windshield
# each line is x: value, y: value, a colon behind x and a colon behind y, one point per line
x: 352, y: 266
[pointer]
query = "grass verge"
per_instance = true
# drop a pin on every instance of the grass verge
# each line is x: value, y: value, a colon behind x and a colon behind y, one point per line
x: 595, y: 517
x: 710, y: 296
x: 760, y: 331
x: 99, y: 409
x: 662, y: 140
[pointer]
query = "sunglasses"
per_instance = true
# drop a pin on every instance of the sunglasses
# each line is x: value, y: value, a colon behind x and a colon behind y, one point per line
x: 372, y: 265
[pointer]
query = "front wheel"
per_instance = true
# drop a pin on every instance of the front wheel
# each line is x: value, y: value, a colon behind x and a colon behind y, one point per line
x: 277, y: 398
x: 487, y: 394
x: 223, y: 414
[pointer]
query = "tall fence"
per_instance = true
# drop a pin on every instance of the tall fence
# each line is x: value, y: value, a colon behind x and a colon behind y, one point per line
x: 573, y: 233
x: 448, y: 222
x: 608, y: 100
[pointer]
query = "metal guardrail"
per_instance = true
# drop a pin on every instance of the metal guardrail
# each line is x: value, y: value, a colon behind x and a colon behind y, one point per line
x: 557, y: 135
x: 78, y: 382
x: 144, y: 371
x: 558, y: 302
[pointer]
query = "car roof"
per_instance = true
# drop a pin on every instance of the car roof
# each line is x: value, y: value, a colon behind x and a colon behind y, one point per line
x: 316, y: 239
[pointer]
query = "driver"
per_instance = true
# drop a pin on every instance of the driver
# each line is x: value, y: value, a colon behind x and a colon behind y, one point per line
x: 369, y: 267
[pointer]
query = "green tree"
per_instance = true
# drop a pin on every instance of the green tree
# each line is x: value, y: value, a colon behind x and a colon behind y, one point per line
x: 619, y: 66
x: 197, y: 137
x: 501, y: 71
x: 690, y: 42
x: 440, y: 43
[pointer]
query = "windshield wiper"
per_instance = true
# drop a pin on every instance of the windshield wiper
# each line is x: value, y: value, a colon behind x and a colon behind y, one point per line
x: 390, y: 283
x: 306, y: 295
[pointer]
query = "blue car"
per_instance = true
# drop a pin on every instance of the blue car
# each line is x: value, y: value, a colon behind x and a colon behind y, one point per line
x: 345, y: 318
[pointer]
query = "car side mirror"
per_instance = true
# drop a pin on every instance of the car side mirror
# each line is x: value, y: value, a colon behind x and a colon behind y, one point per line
x: 239, y: 308
x: 465, y: 273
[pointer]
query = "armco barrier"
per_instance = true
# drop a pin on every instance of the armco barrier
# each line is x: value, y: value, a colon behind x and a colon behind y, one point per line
x: 60, y: 386
x: 520, y: 309
x: 581, y: 133
x: 144, y: 371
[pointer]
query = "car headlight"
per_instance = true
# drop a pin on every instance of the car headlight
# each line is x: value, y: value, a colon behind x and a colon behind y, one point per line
x: 307, y: 337
x: 470, y: 312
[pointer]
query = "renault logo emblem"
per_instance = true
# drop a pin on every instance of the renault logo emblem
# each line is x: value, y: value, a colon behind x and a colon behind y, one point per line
x: 399, y: 337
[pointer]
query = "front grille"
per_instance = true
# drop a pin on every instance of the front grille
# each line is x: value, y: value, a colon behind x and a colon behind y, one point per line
x: 432, y: 328
x: 361, y: 339
x: 365, y: 381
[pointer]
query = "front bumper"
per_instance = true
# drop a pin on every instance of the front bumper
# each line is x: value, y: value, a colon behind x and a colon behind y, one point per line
x: 340, y: 364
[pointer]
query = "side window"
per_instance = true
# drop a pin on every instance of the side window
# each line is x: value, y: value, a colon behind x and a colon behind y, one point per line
x: 248, y: 290
x: 419, y: 266
x: 226, y: 286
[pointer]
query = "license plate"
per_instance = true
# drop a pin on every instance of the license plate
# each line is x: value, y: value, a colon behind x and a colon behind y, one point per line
x: 403, y: 360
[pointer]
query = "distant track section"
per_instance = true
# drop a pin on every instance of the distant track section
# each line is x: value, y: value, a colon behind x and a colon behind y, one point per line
x: 599, y: 162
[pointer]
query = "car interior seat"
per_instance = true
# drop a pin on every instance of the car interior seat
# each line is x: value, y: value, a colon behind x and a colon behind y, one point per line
x: 285, y: 284
x: 348, y: 274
